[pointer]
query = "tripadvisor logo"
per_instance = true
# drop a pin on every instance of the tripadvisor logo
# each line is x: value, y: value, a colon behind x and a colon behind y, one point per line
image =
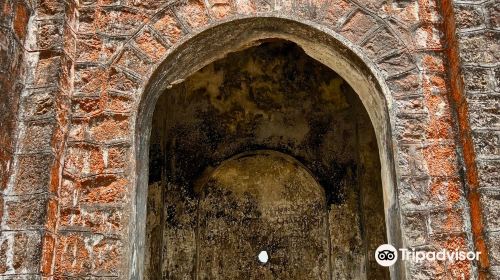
x: 387, y: 255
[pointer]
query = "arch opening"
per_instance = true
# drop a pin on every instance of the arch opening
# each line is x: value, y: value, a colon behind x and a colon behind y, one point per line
x: 316, y: 205
x: 214, y: 42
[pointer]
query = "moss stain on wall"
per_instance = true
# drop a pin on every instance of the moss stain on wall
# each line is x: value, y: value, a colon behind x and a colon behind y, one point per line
x: 271, y: 97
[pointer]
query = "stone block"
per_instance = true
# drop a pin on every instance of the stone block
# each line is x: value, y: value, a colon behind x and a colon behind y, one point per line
x: 381, y: 43
x: 396, y: 64
x: 446, y: 192
x: 103, y: 219
x: 25, y: 212
x: 477, y: 79
x: 109, y: 128
x: 460, y: 269
x: 150, y: 45
x: 86, y: 106
x: 449, y: 220
x: 120, y: 80
x: 135, y: 61
x: 220, y: 9
x: 356, y: 27
x: 119, y: 102
x: 441, y: 160
x: 440, y: 124
x: 493, y: 243
x: 103, y: 189
x: 77, y: 129
x: 33, y: 173
x: 414, y: 228
x: 253, y: 6
x: 489, y: 173
x: 410, y: 160
x: 411, y: 127
x: 406, y: 12
x: 192, y: 12
x: 107, y: 254
x: 487, y: 143
x: 414, y: 193
x: 335, y: 12
x: 468, y: 16
x: 493, y: 14
x: 490, y: 204
x: 310, y: 9
x: 90, y: 80
x: 410, y: 106
x: 40, y: 103
x: 20, y: 252
x: 167, y: 25
x: 432, y: 62
x: 50, y: 9
x: 48, y: 70
x: 84, y: 158
x: 482, y: 47
x: 119, y: 20
x: 37, y: 135
x: 73, y: 254
x: 484, y: 112
x: 68, y: 192
x: 9, y: 102
x: 405, y: 85
x: 118, y: 156
x: 49, y: 35
x: 451, y: 241
x: 426, y: 269
x: 87, y: 20
x: 88, y: 48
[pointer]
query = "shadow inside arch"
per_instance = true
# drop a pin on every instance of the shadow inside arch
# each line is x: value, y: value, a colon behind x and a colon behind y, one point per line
x: 215, y: 42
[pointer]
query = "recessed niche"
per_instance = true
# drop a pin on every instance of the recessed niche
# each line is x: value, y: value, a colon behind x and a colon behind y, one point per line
x: 265, y: 148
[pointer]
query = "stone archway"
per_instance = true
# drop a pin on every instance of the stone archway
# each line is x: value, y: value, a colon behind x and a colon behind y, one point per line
x: 326, y: 47
x: 86, y: 67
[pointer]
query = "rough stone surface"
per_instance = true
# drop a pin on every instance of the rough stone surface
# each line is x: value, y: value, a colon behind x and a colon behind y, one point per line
x: 477, y: 27
x: 76, y: 78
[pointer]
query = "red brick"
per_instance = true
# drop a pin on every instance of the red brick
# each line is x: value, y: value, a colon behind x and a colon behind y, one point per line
x: 357, y: 25
x: 121, y: 81
x: 104, y: 189
x: 441, y: 160
x: 72, y: 255
x: 109, y: 127
x: 221, y: 8
x: 192, y: 12
x: 131, y: 59
x: 150, y: 45
x: 167, y: 25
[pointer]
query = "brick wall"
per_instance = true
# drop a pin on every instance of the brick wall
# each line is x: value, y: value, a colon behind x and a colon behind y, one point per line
x: 43, y: 31
x: 476, y: 36
x: 69, y: 150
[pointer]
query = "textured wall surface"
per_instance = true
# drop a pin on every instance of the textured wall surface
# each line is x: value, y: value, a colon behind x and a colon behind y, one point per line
x: 68, y: 120
x: 477, y: 36
x: 36, y: 64
x: 14, y: 17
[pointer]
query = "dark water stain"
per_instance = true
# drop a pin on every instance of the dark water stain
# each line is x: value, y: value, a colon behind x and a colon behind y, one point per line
x: 269, y: 97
